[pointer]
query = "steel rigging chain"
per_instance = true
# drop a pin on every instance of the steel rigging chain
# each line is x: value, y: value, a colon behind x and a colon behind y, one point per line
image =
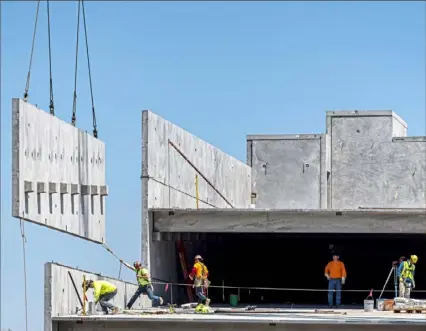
x: 27, y: 85
x: 52, y: 103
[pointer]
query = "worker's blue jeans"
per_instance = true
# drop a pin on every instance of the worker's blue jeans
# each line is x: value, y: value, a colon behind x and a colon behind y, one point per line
x: 199, y: 291
x: 334, y: 284
x: 103, y: 301
x: 143, y: 290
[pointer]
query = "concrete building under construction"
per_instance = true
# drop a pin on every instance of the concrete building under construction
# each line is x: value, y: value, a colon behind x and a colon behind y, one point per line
x: 266, y: 228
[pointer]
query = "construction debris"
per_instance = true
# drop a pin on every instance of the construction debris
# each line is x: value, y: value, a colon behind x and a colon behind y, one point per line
x: 409, y: 305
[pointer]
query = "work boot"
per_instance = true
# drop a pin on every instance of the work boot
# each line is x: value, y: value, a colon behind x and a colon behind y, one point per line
x: 114, y: 311
x: 160, y: 300
x: 207, y: 302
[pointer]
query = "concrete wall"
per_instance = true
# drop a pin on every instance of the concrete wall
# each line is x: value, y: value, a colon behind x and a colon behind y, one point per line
x: 61, y: 299
x: 168, y: 181
x: 58, y: 174
x: 365, y: 160
x: 289, y: 171
x: 371, y: 168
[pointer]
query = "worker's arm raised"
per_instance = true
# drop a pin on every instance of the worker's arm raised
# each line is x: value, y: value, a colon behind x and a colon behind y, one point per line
x: 128, y: 265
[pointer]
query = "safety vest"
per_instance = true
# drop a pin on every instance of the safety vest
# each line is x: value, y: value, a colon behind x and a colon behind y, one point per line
x: 201, y: 274
x: 408, y: 270
x: 142, y: 281
x: 102, y: 287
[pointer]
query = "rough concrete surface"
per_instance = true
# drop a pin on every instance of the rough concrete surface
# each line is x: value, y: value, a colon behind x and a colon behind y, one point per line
x: 58, y: 174
x: 352, y: 321
x: 168, y: 180
x: 61, y: 298
x: 291, y: 221
x: 289, y: 171
x: 372, y: 169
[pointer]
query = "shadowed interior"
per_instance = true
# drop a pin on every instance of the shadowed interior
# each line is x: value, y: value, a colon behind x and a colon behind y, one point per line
x: 297, y: 261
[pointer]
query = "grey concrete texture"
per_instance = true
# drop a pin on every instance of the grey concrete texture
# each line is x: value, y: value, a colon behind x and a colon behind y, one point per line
x: 289, y: 171
x: 371, y: 169
x: 168, y: 180
x: 58, y: 174
x: 172, y: 179
x: 291, y: 221
x: 288, y: 321
x: 364, y: 159
x: 61, y: 299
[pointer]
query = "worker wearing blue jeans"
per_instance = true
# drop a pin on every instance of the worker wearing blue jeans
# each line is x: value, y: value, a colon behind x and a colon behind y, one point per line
x: 334, y: 285
x: 335, y: 272
x: 147, y: 289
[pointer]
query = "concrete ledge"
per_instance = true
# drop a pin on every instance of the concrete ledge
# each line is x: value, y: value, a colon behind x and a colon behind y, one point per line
x: 284, y: 136
x: 392, y: 221
x: 365, y: 113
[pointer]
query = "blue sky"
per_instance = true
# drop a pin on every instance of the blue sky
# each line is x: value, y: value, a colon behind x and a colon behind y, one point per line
x: 220, y: 70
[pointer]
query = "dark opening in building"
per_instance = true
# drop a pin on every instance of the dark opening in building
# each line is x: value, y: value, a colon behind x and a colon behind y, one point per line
x: 289, y: 268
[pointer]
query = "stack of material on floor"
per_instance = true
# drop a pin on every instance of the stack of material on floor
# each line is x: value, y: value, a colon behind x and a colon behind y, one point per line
x: 403, y: 303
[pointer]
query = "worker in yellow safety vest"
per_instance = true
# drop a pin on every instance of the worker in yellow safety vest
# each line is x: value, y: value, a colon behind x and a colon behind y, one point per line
x: 406, y: 281
x: 103, y: 292
x: 199, y: 275
x: 145, y: 285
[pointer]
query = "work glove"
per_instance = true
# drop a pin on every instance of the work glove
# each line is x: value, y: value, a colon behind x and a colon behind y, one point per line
x: 343, y: 280
x: 414, y: 285
x: 327, y: 276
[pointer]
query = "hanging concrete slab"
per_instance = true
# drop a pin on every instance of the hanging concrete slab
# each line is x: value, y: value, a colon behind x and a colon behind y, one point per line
x: 58, y: 174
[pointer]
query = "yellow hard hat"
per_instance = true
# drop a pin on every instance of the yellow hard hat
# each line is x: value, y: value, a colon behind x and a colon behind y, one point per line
x: 414, y: 258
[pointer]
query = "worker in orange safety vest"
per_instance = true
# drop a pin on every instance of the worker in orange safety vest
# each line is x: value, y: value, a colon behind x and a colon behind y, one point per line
x: 199, y: 275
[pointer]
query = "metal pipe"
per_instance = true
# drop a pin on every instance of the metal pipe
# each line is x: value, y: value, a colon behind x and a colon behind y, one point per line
x: 199, y: 172
x: 196, y: 190
x: 75, y: 288
x: 84, y: 295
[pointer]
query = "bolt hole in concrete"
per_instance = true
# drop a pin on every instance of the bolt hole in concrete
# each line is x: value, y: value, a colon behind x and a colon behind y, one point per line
x: 309, y: 254
x: 358, y: 131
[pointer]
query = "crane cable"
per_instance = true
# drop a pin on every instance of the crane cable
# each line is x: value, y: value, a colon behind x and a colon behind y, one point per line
x: 74, y: 104
x: 24, y: 240
x: 95, y: 131
x: 52, y: 104
x: 27, y: 85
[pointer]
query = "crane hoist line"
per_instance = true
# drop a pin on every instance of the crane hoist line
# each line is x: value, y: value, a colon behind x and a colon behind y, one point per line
x: 81, y: 12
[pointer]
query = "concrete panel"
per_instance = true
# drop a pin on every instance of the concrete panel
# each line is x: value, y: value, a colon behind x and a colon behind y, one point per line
x: 61, y: 298
x: 370, y: 168
x: 292, y: 221
x: 169, y: 180
x: 58, y: 174
x: 167, y: 167
x: 289, y: 171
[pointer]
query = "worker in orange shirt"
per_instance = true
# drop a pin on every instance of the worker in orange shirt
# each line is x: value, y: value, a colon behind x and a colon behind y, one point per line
x: 335, y: 272
x: 199, y: 275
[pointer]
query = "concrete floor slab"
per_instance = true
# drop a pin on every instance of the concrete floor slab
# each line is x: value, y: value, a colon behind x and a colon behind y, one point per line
x: 58, y: 174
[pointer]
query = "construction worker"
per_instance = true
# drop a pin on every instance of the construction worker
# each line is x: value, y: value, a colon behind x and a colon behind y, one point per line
x: 199, y: 275
x: 406, y: 276
x: 145, y: 286
x: 335, y: 272
x: 103, y: 292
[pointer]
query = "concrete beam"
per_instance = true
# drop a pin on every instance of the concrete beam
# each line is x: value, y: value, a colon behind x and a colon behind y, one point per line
x: 291, y: 221
x: 53, y: 163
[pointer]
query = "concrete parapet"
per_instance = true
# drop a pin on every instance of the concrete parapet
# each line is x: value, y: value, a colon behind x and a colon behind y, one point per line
x: 61, y: 298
